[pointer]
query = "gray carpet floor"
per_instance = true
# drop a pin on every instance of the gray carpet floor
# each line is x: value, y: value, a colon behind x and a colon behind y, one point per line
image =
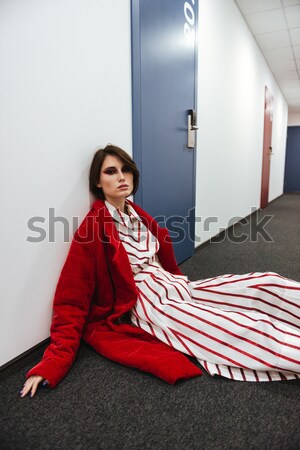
x: 103, y: 405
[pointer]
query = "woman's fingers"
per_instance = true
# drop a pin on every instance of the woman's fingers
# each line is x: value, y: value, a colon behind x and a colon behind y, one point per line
x: 31, y: 384
x: 26, y: 389
x: 34, y: 388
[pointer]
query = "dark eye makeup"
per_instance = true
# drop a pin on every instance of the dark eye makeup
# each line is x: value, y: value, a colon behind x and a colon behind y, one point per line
x: 110, y: 170
x: 113, y: 170
x: 126, y: 169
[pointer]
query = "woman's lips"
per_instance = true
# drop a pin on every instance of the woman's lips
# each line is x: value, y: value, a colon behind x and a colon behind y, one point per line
x: 123, y: 186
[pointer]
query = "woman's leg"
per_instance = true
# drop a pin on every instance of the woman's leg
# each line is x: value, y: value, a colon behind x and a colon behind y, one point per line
x: 240, y: 326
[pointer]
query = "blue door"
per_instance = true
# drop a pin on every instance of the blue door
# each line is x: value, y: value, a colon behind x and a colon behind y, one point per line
x: 292, y: 161
x: 164, y: 65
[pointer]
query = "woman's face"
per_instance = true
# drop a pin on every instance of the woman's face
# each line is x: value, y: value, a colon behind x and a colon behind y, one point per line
x: 116, y: 180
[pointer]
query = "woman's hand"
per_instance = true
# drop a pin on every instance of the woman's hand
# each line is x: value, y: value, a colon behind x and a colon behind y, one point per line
x: 32, y: 384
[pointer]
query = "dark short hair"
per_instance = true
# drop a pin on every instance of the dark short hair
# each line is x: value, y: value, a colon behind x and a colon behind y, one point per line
x: 97, y: 163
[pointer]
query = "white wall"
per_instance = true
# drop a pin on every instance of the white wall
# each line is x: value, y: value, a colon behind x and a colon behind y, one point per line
x: 294, y: 119
x: 231, y: 85
x: 65, y: 89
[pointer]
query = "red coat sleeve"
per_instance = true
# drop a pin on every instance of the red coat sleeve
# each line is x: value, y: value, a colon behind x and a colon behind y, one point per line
x: 70, y: 307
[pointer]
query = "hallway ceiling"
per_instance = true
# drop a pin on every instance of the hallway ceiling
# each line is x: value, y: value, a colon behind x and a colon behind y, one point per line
x: 275, y: 25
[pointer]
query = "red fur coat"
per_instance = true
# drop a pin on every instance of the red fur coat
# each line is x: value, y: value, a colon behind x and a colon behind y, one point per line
x: 96, y: 287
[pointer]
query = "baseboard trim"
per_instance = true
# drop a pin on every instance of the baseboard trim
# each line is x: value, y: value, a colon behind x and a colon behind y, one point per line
x: 23, y: 360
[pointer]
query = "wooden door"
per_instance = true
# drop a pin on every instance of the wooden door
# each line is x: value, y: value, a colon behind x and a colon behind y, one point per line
x: 267, y: 148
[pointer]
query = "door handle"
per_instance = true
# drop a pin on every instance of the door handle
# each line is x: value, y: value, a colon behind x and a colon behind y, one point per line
x: 192, y: 127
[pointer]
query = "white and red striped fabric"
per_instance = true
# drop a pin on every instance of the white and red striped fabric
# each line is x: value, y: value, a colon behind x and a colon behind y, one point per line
x: 243, y: 327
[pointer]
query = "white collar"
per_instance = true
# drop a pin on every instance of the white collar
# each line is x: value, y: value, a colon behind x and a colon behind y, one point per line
x: 121, y: 217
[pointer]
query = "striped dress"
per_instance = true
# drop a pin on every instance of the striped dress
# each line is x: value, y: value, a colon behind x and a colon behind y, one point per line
x: 244, y: 327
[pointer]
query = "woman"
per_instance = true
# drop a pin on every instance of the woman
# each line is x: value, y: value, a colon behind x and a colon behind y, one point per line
x: 122, y: 291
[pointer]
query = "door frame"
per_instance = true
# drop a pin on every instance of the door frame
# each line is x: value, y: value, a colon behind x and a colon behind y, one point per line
x: 136, y: 91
